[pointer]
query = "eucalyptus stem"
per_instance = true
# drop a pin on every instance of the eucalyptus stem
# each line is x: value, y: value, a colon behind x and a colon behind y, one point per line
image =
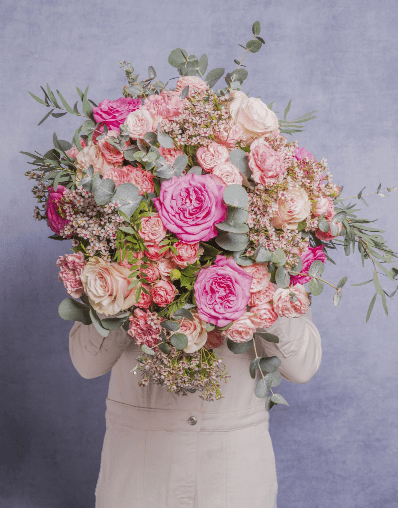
x: 370, y: 194
x: 259, y: 368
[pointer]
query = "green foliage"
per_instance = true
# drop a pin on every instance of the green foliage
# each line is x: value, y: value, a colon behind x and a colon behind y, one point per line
x: 239, y: 348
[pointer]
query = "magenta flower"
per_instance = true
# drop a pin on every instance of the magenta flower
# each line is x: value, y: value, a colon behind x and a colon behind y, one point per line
x: 56, y: 221
x: 308, y: 257
x: 114, y: 113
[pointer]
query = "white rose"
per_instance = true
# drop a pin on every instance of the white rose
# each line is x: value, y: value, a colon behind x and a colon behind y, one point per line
x: 138, y: 123
x: 293, y: 207
x: 91, y: 155
x: 228, y: 173
x: 252, y: 115
x: 195, y: 331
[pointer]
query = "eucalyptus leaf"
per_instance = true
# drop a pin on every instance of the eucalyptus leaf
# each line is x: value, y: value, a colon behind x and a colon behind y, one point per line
x: 315, y: 286
x: 337, y: 298
x: 236, y: 215
x: 324, y: 226
x: 183, y: 313
x: 263, y: 386
x: 341, y: 282
x: 278, y: 257
x: 180, y: 163
x: 150, y: 138
x: 147, y: 350
x: 262, y: 255
x: 233, y: 228
x: 179, y: 340
x: 165, y: 348
x: 240, y: 159
x: 254, y: 366
x: 195, y: 170
x: 103, y: 190
x: 232, y: 241
x: 371, y: 305
x: 239, y: 348
x: 127, y: 196
x: 239, y: 75
x: 172, y: 326
x: 184, y: 92
x: 282, y: 277
x: 276, y: 379
x: 270, y: 364
x: 113, y: 323
x: 269, y: 337
x: 277, y: 398
x: 134, y: 90
x: 253, y: 46
x: 236, y: 195
x: 202, y: 67
x: 241, y: 261
x: 316, y: 269
x: 256, y: 28
x: 165, y: 140
x: 97, y: 323
x: 213, y: 76
x: 151, y: 72
x: 72, y: 310
x: 177, y: 57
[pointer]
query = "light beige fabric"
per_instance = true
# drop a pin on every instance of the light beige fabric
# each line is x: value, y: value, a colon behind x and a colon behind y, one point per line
x: 153, y: 458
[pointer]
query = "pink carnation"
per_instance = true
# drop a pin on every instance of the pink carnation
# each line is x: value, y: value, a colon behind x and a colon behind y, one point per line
x: 166, y: 105
x: 152, y: 251
x: 260, y: 274
x: 195, y: 85
x: 300, y: 153
x: 144, y: 327
x: 242, y: 329
x: 152, y: 229
x: 263, y: 316
x: 222, y: 291
x: 227, y: 173
x: 170, y: 154
x: 187, y: 253
x: 110, y: 153
x: 266, y: 164
x: 114, y: 113
x: 308, y: 257
x: 129, y: 174
x: 283, y: 305
x: 211, y: 155
x: 71, y: 266
x: 163, y: 293
x: 263, y: 296
x: 56, y: 220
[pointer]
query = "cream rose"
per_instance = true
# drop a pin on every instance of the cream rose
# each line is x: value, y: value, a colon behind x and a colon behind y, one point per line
x: 252, y: 115
x: 195, y: 331
x: 227, y: 173
x: 106, y: 285
x: 283, y: 305
x: 138, y: 123
x: 242, y: 329
x: 293, y: 207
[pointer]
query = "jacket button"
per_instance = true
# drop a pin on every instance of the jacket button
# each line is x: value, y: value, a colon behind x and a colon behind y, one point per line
x: 192, y: 420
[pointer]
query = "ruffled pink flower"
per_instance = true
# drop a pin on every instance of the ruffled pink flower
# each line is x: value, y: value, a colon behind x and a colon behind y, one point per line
x: 300, y: 153
x: 152, y: 229
x: 222, y: 291
x: 263, y: 296
x: 151, y: 273
x: 308, y: 257
x: 187, y: 253
x: 214, y: 340
x: 195, y: 85
x: 145, y: 328
x: 72, y: 152
x: 260, y: 274
x: 163, y: 293
x: 165, y: 266
x: 190, y: 206
x: 56, y: 220
x: 114, y: 113
x: 170, y: 154
x: 263, y: 316
x: 211, y: 155
x: 283, y: 306
x: 152, y: 251
x: 227, y: 173
x: 242, y: 329
x: 111, y: 154
x: 266, y: 164
x: 324, y: 205
x: 129, y: 174
x: 144, y: 300
x: 166, y: 105
x: 230, y: 137
x: 138, y: 123
x: 71, y: 266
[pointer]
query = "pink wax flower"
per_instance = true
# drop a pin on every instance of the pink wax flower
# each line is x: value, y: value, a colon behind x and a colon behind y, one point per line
x: 56, y: 221
x: 242, y: 329
x: 187, y: 253
x: 263, y: 296
x: 190, y: 206
x: 283, y: 306
x: 222, y: 291
x: 260, y: 274
x: 129, y: 174
x: 114, y: 113
x: 195, y: 84
x: 300, y: 153
x: 211, y: 155
x: 71, y: 266
x: 144, y: 327
x: 263, y: 316
x: 266, y: 164
x: 163, y: 293
x: 308, y: 257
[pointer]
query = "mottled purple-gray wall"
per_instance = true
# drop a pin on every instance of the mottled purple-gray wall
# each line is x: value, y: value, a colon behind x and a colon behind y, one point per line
x: 337, y: 445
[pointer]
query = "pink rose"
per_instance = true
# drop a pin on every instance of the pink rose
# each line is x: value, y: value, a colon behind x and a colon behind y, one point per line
x: 328, y: 236
x: 230, y: 137
x: 144, y: 327
x: 56, y: 220
x: 324, y: 205
x: 138, y: 123
x: 151, y: 273
x: 190, y: 206
x: 114, y: 113
x: 283, y: 306
x: 227, y: 173
x: 163, y: 293
x: 263, y: 296
x: 111, y: 154
x: 152, y: 251
x: 222, y: 291
x: 106, y: 285
x: 152, y: 229
x: 266, y: 164
x: 195, y: 85
x: 91, y: 155
x: 293, y: 207
x: 214, y: 340
x: 166, y: 105
x: 263, y: 316
x: 308, y: 257
x: 170, y: 154
x: 260, y: 274
x: 144, y: 301
x: 71, y: 267
x: 187, y: 253
x: 242, y: 329
x: 165, y: 266
x: 141, y: 178
x: 72, y: 152
x: 300, y: 153
x: 211, y: 155
x: 195, y: 331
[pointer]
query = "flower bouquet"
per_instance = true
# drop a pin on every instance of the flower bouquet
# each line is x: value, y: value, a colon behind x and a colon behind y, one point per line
x: 194, y: 220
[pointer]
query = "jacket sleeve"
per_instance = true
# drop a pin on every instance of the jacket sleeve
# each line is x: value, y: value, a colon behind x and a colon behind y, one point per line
x: 92, y: 354
x: 299, y: 347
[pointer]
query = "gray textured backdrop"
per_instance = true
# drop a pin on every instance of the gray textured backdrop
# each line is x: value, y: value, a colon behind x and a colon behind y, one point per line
x: 337, y: 445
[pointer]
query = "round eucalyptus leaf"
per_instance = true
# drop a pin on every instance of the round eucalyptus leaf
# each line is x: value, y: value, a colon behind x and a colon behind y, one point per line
x: 240, y: 159
x: 256, y: 28
x: 213, y: 76
x: 239, y: 75
x: 276, y: 379
x: 172, y: 326
x: 341, y: 282
x: 316, y: 268
x: 239, y: 348
x: 236, y: 195
x: 203, y: 62
x: 297, y: 267
x: 324, y: 225
x: 184, y: 92
x: 269, y: 404
x: 339, y: 217
x: 315, y: 286
x: 165, y: 140
x: 278, y: 257
x: 232, y: 241
x: 179, y: 340
x: 97, y: 323
x: 177, y: 57
x: 253, y: 46
x: 180, y: 163
x: 151, y: 138
x: 262, y: 255
x: 103, y: 190
x: 195, y: 170
x: 151, y: 72
x: 113, y: 323
x: 147, y: 350
x: 183, y: 313
x: 270, y: 364
x: 237, y: 215
x: 278, y: 399
x: 269, y: 337
x: 334, y: 228
x: 72, y: 310
x: 127, y: 196
x: 254, y: 366
x: 165, y: 348
x: 233, y: 228
x: 241, y: 261
x: 282, y: 277
x: 337, y: 298
x: 263, y: 386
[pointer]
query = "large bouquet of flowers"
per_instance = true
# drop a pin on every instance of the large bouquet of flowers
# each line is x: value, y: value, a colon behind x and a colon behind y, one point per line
x: 194, y: 220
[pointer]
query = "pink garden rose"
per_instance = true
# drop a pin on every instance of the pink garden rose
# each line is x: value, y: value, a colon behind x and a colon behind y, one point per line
x: 106, y: 285
x: 242, y: 329
x: 324, y: 205
x: 71, y: 267
x: 151, y: 273
x: 211, y: 155
x: 141, y: 178
x: 263, y: 316
x: 195, y: 331
x: 227, y: 173
x: 72, y: 152
x: 190, y: 206
x: 170, y: 154
x: 91, y: 155
x: 283, y: 306
x: 230, y: 137
x: 144, y: 301
x: 308, y: 257
x: 293, y: 207
x: 300, y: 153
x: 195, y: 84
x: 222, y: 291
x: 152, y: 251
x: 165, y: 266
x: 215, y: 340
x: 163, y: 293
x: 266, y: 164
x: 138, y: 123
x: 152, y: 229
x: 110, y: 153
x: 56, y: 221
x: 144, y: 327
x: 187, y: 253
x: 263, y: 296
x: 114, y: 113
x: 260, y: 274
x: 166, y: 105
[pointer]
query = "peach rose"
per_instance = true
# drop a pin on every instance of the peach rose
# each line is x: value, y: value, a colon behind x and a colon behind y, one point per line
x: 195, y: 84
x: 195, y: 331
x: 283, y: 305
x: 152, y: 230
x: 129, y: 174
x: 266, y: 164
x: 263, y: 296
x: 187, y: 253
x: 260, y: 274
x: 165, y: 266
x: 211, y: 155
x: 91, y: 155
x: 163, y: 293
x: 252, y: 115
x: 106, y: 285
x: 324, y: 205
x: 263, y: 315
x: 138, y: 123
x: 227, y: 173
x: 111, y: 154
x: 293, y: 207
x: 242, y: 329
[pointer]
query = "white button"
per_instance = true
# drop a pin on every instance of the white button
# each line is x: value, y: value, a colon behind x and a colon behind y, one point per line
x: 192, y: 420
